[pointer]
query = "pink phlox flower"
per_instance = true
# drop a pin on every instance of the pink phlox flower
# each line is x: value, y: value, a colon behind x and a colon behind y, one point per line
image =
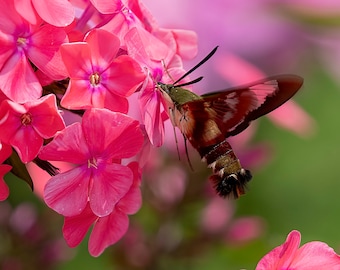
x: 25, y: 126
x: 159, y: 60
x: 96, y: 146
x: 59, y: 13
x: 97, y: 77
x: 23, y: 44
x: 108, y: 229
x: 311, y: 256
x: 5, y: 152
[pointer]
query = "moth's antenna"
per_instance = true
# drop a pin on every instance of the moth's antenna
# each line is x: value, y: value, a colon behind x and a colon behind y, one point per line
x: 205, y: 59
x: 191, y: 82
x: 166, y: 70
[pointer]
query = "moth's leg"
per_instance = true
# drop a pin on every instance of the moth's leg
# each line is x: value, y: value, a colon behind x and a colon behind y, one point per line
x: 186, y: 152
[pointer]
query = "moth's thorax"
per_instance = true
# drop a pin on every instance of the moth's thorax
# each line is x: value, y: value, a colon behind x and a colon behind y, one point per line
x: 178, y: 95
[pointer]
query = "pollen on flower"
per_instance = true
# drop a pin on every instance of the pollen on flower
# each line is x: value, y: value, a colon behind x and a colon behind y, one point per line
x: 92, y: 163
x: 95, y: 79
x: 21, y: 41
x: 26, y: 119
x: 128, y: 14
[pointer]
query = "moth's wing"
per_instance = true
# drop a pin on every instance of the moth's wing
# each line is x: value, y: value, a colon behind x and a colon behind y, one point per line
x: 237, y: 107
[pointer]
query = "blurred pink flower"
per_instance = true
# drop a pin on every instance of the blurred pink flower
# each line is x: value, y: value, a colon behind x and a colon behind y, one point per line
x: 245, y: 229
x: 25, y: 211
x: 311, y: 256
x: 108, y: 229
x: 258, y: 23
x: 168, y: 186
x: 26, y: 126
x: 5, y: 152
x: 216, y: 215
x: 96, y: 146
x: 315, y: 8
x: 217, y: 218
x: 97, y: 77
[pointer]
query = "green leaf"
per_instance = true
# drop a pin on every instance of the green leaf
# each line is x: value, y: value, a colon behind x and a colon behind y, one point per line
x: 19, y: 169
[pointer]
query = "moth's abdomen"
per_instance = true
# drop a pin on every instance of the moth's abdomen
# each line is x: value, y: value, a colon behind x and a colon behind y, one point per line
x: 229, y: 178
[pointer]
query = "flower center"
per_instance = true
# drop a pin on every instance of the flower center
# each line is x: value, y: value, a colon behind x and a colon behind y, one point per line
x: 26, y: 119
x: 21, y: 41
x: 92, y: 163
x: 95, y: 79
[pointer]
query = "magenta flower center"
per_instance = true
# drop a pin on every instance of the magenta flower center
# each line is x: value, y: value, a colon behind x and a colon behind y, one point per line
x: 26, y: 119
x: 95, y: 79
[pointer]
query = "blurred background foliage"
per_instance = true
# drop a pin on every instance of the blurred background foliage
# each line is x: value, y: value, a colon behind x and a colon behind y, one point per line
x: 296, y: 187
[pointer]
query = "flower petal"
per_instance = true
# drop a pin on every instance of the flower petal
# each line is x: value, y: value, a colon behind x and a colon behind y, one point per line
x: 128, y: 143
x: 78, y: 95
x: 75, y: 227
x: 46, y: 118
x: 67, y: 193
x: 44, y: 51
x: 26, y: 10
x: 18, y: 81
x: 314, y: 256
x: 56, y: 12
x: 102, y: 53
x: 111, y: 134
x: 5, y: 152
x: 107, y: 231
x: 132, y: 200
x: 68, y: 145
x: 186, y: 43
x: 76, y: 57
x: 4, y: 190
x: 281, y: 256
x: 107, y: 6
x: 110, y: 183
x: 124, y: 74
x: 150, y: 101
x: 10, y: 123
x: 27, y: 142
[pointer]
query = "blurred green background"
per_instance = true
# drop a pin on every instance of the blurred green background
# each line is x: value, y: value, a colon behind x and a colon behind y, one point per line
x: 297, y: 189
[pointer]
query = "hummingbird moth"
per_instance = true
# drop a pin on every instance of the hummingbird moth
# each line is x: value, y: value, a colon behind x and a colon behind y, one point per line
x: 206, y: 121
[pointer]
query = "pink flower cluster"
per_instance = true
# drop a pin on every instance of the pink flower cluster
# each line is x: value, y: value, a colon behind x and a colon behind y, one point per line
x: 87, y: 58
